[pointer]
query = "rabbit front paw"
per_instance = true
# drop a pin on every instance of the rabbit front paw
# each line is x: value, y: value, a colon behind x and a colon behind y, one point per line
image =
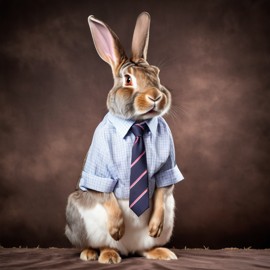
x: 116, y: 227
x: 155, y: 226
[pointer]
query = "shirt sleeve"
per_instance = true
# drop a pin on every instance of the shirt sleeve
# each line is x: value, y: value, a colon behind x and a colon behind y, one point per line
x: 169, y: 173
x: 96, y: 174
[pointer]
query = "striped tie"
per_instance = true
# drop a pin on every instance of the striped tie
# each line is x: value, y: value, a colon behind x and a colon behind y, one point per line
x: 139, y: 192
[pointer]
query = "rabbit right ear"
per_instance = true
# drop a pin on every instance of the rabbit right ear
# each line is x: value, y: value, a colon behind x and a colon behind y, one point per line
x: 107, y: 43
x: 141, y: 37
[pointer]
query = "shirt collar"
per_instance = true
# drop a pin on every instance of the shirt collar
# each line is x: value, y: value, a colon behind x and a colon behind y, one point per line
x: 123, y: 125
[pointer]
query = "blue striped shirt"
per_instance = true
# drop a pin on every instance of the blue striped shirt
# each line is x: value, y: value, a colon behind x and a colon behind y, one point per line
x: 107, y: 165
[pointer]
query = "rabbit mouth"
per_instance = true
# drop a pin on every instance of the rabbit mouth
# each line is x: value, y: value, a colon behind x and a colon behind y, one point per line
x: 151, y: 111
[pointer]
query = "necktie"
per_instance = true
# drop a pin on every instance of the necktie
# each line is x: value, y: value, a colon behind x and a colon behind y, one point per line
x: 139, y: 192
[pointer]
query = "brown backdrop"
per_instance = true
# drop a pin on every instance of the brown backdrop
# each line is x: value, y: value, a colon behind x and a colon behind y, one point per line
x: 214, y: 55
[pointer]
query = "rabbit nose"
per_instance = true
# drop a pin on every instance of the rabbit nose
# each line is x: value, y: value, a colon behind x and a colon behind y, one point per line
x: 154, y: 99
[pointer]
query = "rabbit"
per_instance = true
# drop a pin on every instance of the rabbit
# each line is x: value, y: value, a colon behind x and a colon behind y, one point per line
x: 101, y: 223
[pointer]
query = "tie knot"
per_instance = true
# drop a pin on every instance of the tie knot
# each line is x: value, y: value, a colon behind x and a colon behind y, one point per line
x: 138, y: 129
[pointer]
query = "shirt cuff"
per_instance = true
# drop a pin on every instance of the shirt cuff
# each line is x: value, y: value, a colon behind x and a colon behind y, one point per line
x: 91, y: 181
x: 168, y: 177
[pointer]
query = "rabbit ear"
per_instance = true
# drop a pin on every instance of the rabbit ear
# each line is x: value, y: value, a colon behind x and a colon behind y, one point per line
x: 107, y: 43
x: 141, y: 37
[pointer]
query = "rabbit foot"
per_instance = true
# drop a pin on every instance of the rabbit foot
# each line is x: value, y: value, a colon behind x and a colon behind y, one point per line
x: 89, y: 255
x: 109, y: 256
x: 160, y: 254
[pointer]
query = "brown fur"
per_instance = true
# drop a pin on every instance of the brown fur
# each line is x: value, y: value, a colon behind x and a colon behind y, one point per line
x: 89, y: 255
x: 157, y: 217
x: 109, y: 256
x: 160, y: 254
x: 116, y: 224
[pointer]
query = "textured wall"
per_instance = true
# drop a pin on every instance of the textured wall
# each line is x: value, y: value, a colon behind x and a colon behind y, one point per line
x: 214, y: 55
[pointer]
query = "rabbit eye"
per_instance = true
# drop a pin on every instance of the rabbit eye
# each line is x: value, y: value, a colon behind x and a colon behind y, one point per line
x: 128, y: 80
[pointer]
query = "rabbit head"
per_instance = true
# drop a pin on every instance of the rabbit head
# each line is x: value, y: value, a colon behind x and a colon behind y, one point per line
x: 137, y: 93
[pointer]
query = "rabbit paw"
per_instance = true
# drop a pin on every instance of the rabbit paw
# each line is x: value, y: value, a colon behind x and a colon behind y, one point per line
x: 160, y: 254
x: 89, y: 255
x: 109, y: 256
x: 116, y: 227
x: 155, y: 227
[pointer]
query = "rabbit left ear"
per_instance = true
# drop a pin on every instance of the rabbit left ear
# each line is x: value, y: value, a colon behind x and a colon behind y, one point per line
x: 141, y: 37
x: 107, y: 43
